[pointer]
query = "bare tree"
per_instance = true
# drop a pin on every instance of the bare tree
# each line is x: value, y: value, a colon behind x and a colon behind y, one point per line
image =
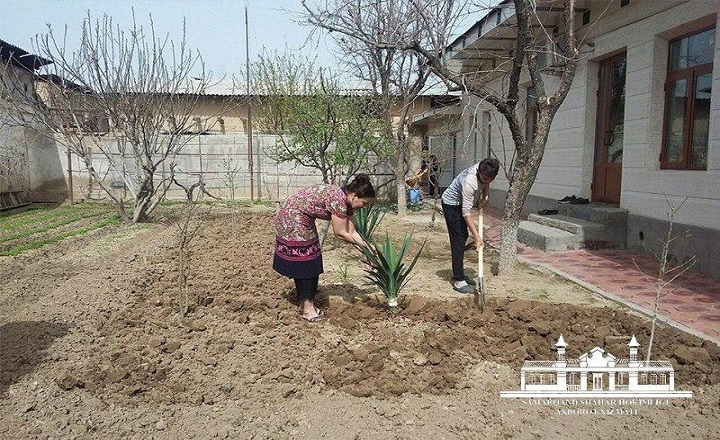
x: 528, y: 153
x: 317, y: 124
x: 188, y: 221
x: 127, y: 96
x: 668, y: 270
x: 373, y: 36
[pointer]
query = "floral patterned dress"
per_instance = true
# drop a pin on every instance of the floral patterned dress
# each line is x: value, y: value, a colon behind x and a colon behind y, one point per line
x: 297, y: 246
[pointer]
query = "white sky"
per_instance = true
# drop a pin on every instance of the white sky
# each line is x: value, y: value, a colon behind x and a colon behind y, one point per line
x: 215, y: 27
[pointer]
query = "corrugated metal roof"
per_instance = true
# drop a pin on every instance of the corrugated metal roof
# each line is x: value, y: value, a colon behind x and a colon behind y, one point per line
x: 20, y: 57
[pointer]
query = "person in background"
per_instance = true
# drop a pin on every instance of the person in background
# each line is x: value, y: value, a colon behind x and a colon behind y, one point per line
x: 460, y: 201
x: 431, y: 164
x: 298, y: 253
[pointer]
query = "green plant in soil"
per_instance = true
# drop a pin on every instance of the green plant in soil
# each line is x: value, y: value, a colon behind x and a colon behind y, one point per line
x: 344, y: 272
x: 367, y: 219
x: 17, y: 250
x: 62, y: 221
x: 387, y: 269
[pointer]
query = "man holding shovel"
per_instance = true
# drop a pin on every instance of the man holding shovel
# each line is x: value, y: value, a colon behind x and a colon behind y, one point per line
x: 460, y: 201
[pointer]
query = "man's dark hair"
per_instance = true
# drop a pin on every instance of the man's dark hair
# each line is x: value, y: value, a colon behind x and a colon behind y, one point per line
x: 489, y: 167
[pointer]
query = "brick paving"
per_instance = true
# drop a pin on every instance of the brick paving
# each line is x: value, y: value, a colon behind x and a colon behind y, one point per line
x: 691, y: 302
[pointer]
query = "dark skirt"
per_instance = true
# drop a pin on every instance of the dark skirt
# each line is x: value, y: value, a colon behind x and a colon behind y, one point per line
x: 298, y: 259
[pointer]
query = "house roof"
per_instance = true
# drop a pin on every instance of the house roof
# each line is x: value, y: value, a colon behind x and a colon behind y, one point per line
x: 488, y: 42
x: 21, y: 58
x: 436, y: 113
x: 56, y: 79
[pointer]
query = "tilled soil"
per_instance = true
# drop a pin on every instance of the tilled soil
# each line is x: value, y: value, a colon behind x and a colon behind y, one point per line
x: 92, y: 346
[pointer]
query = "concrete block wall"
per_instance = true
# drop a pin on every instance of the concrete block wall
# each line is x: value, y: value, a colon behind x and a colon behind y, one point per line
x: 28, y: 160
x: 221, y: 160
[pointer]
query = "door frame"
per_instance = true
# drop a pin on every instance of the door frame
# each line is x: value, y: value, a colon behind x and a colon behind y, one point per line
x: 601, y: 166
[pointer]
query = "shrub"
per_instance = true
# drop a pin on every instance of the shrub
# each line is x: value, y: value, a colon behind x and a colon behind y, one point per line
x: 387, y: 270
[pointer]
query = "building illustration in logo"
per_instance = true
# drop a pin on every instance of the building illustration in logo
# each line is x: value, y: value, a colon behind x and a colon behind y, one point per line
x: 597, y: 373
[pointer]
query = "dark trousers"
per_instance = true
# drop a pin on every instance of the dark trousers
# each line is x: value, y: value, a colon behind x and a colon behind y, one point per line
x: 433, y: 185
x: 306, y: 288
x: 458, y: 232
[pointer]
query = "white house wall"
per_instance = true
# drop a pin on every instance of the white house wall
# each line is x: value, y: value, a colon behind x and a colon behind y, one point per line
x: 644, y: 184
x: 643, y: 29
x: 564, y: 167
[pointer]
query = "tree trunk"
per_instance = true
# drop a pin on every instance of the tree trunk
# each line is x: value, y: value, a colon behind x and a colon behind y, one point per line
x: 520, y: 183
x: 401, y: 194
x: 399, y: 171
x: 323, y: 228
x: 143, y: 200
x: 508, y: 232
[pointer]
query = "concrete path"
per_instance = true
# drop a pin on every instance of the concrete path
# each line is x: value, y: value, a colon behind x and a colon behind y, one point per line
x: 691, y: 302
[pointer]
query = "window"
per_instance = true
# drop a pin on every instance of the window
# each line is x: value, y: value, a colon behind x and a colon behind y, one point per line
x: 687, y: 101
x: 487, y: 132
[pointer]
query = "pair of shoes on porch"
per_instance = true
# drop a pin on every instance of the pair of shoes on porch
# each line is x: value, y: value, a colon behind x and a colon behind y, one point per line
x: 573, y: 200
x: 548, y: 211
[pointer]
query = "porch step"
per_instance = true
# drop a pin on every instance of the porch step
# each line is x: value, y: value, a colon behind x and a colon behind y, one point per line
x: 596, y: 213
x: 576, y: 226
x: 573, y: 225
x: 546, y: 238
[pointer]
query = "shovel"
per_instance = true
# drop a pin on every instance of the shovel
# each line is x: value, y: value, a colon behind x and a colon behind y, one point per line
x: 480, y: 292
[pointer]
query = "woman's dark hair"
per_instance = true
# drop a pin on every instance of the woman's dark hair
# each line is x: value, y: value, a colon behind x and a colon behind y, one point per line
x: 489, y: 167
x: 361, y: 187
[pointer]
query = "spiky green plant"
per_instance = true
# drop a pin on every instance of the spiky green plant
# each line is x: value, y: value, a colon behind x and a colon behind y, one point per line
x: 387, y: 269
x: 366, y: 220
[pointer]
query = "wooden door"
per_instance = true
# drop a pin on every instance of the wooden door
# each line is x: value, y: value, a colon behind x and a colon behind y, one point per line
x: 609, y: 130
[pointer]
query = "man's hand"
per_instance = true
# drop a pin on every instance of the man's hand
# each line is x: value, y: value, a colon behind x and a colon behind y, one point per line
x: 478, y: 245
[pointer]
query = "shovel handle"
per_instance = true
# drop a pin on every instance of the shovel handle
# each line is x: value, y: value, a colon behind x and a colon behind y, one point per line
x: 482, y: 243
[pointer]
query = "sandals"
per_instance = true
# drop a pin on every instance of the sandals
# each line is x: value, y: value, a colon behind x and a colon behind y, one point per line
x: 314, y: 318
x: 319, y: 317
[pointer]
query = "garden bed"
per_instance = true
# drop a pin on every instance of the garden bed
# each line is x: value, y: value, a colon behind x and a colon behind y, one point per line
x: 92, y: 346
